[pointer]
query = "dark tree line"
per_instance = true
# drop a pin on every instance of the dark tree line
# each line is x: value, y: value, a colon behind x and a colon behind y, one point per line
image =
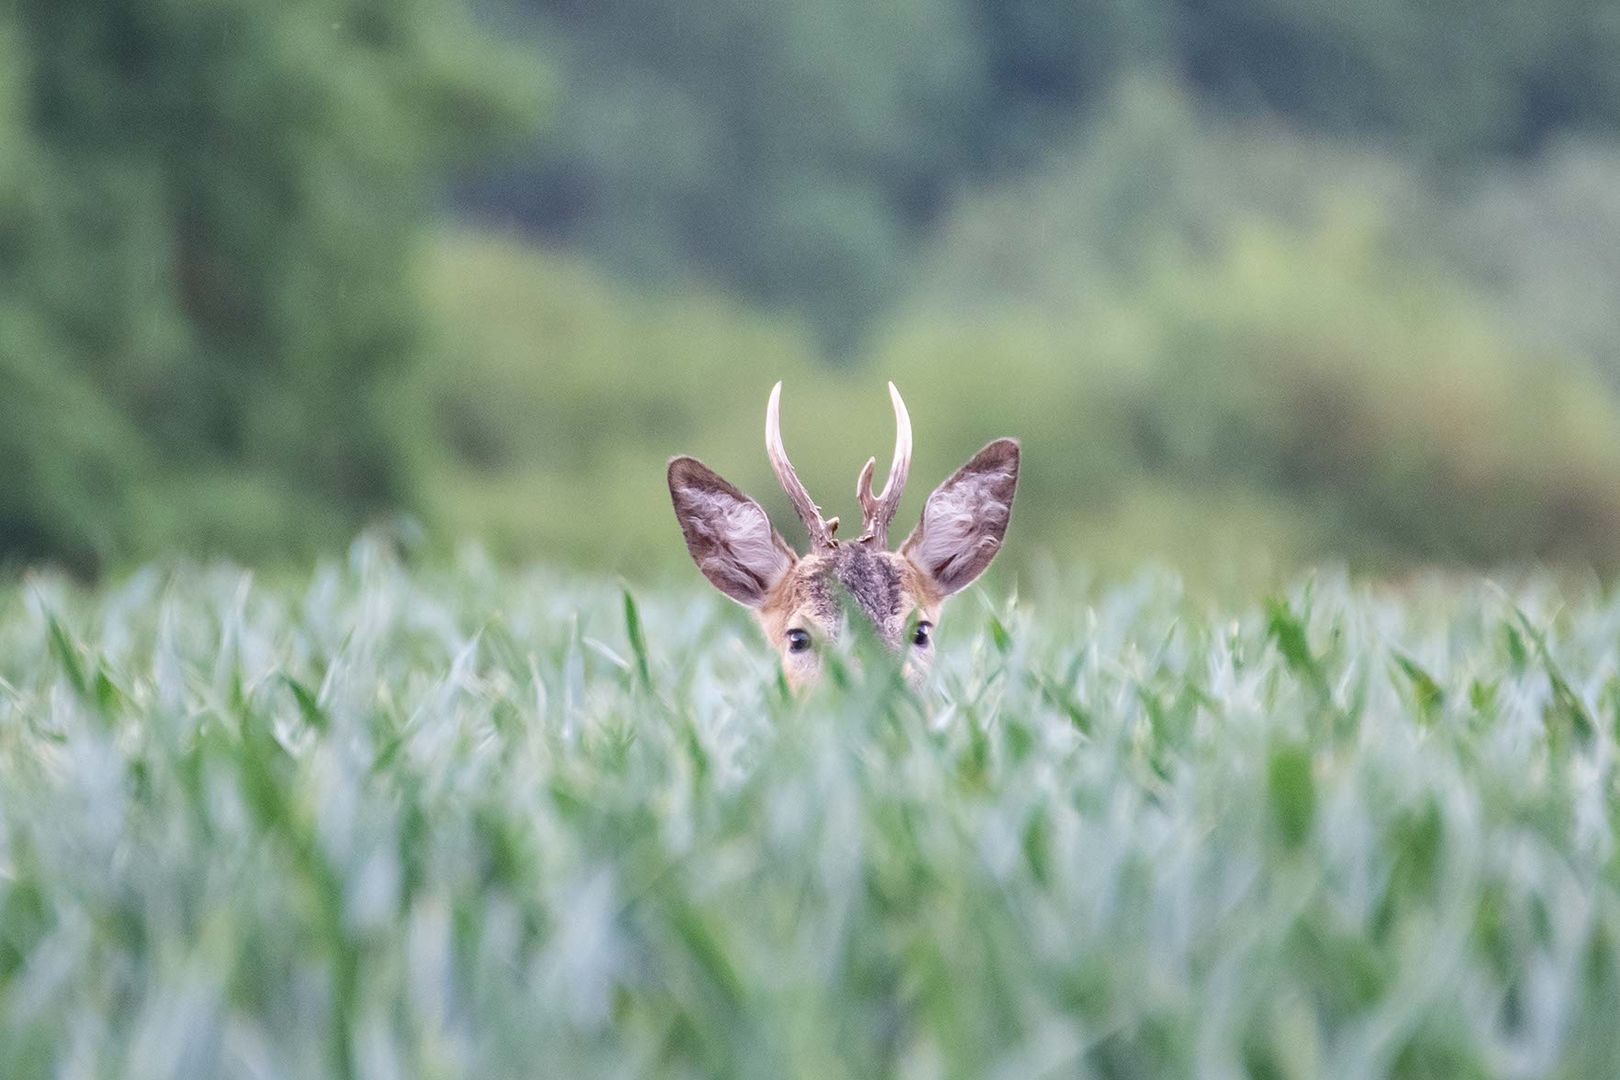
x: 796, y: 151
x: 207, y: 211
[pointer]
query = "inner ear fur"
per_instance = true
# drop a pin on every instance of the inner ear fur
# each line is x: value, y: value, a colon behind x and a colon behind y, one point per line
x: 728, y: 534
x: 965, y: 519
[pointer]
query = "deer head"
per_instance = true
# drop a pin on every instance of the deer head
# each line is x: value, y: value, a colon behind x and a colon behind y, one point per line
x: 799, y: 600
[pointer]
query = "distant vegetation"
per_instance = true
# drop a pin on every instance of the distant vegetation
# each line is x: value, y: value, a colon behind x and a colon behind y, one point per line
x: 1226, y: 346
x: 800, y: 152
x: 1258, y: 284
x: 209, y: 217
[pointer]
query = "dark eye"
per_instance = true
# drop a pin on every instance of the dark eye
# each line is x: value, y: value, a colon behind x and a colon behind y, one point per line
x: 798, y: 640
x: 924, y: 634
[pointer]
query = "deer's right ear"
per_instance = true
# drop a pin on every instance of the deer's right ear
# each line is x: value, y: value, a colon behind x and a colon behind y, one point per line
x: 728, y: 534
x: 965, y: 519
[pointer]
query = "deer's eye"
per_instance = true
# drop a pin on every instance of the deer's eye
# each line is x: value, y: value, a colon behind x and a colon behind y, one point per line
x: 798, y: 641
x: 924, y: 634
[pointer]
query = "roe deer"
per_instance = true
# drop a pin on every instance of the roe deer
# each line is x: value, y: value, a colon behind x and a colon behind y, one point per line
x: 798, y: 600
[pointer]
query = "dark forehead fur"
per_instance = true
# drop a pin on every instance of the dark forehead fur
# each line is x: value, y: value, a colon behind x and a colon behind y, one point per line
x: 872, y: 579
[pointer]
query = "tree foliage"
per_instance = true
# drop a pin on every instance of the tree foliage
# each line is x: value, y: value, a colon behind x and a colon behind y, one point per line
x: 208, y: 226
x: 212, y: 301
x: 797, y: 151
x: 1227, y: 347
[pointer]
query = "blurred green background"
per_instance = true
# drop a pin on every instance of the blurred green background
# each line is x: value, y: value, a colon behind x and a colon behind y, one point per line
x: 1259, y: 283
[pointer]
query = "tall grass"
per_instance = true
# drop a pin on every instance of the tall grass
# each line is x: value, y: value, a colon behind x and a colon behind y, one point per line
x: 395, y: 822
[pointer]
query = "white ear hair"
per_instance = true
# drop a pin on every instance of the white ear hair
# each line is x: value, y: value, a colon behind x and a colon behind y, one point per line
x: 739, y: 532
x: 965, y: 519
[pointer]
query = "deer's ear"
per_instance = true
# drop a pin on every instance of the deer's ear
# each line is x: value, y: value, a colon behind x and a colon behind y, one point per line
x: 965, y: 519
x: 728, y: 534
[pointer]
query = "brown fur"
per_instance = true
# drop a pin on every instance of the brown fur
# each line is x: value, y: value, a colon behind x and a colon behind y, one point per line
x: 885, y: 586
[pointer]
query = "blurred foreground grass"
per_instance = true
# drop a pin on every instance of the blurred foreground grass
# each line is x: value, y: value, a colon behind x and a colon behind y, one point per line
x: 390, y: 822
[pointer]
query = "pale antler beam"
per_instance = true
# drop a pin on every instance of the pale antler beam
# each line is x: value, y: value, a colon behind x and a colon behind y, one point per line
x: 877, y: 511
x: 821, y: 529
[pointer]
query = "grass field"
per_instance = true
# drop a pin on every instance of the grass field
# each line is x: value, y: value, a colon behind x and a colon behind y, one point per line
x: 396, y: 822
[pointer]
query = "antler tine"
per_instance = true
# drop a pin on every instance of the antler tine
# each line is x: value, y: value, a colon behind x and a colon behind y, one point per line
x: 821, y: 529
x: 878, y: 510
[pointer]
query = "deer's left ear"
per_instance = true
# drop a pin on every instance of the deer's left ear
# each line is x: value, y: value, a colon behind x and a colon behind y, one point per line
x: 728, y: 534
x: 965, y: 519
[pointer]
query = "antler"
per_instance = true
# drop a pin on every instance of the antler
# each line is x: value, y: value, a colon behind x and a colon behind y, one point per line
x: 878, y: 511
x: 821, y: 529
